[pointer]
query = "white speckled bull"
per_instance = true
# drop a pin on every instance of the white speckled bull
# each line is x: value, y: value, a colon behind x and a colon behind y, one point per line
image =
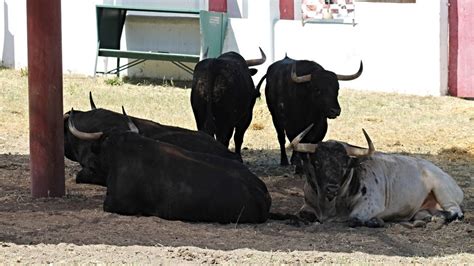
x: 366, y: 188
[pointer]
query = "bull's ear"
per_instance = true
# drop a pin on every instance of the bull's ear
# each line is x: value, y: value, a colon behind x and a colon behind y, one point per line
x: 252, y: 71
x: 354, y: 162
x: 95, y: 147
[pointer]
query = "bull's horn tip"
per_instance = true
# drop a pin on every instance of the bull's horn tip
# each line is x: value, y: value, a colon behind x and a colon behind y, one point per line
x: 369, y: 142
x: 365, y: 133
x: 264, y: 56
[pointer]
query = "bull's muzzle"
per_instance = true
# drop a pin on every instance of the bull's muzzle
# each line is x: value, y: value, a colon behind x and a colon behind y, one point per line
x: 333, y: 113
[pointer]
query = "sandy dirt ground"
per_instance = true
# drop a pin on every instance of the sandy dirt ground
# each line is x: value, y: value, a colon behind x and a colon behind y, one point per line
x: 75, y: 229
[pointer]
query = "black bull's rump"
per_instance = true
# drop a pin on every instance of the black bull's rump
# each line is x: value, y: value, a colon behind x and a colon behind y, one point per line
x: 223, y: 96
x: 105, y: 120
x: 164, y: 180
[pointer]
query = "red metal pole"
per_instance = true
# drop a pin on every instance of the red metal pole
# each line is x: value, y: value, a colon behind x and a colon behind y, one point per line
x: 45, y: 96
x: 218, y: 5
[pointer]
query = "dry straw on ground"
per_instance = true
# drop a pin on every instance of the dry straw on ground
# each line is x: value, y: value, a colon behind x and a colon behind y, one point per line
x: 74, y: 229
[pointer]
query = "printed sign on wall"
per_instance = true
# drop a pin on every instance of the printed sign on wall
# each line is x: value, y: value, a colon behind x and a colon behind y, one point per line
x: 327, y: 11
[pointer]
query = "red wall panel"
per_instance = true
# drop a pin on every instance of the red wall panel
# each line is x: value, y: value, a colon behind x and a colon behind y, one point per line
x: 287, y: 9
x: 461, y: 48
x: 218, y: 5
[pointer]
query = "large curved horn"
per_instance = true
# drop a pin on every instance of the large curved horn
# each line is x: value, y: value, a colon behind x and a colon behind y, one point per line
x: 303, y: 147
x: 256, y: 62
x: 358, y: 151
x: 91, y: 100
x: 131, y: 125
x: 353, y: 76
x: 297, y: 79
x: 79, y: 134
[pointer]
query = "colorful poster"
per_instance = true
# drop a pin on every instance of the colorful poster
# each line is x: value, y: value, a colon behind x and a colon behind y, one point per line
x: 327, y: 11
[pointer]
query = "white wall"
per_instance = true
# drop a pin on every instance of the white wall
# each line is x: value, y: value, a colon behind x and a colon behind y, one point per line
x: 245, y: 35
x: 13, y: 40
x: 401, y: 51
x: 404, y: 47
x: 79, y: 40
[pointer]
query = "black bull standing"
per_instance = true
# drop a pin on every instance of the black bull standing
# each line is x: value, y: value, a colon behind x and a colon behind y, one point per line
x: 148, y: 177
x: 223, y: 96
x: 300, y: 93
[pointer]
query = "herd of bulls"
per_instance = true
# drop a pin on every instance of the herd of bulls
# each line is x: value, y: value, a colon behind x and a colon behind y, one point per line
x: 181, y: 174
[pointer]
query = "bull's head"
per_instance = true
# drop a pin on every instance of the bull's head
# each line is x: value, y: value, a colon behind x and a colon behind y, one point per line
x: 329, y: 169
x: 325, y: 86
x: 94, y: 135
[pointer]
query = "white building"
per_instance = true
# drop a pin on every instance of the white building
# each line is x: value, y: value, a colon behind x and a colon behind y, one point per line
x: 404, y: 46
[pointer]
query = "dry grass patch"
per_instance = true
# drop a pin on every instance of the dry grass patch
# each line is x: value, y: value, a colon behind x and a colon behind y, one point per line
x: 439, y: 129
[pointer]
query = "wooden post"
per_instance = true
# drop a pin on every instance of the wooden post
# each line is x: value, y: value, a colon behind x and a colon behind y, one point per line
x: 45, y: 96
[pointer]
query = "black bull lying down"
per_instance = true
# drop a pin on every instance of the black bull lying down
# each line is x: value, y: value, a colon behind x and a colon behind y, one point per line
x: 102, y: 120
x: 148, y: 177
x: 364, y: 187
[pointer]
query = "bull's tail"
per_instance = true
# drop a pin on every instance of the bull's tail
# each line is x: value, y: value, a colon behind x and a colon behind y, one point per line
x: 257, y: 89
x: 210, y: 123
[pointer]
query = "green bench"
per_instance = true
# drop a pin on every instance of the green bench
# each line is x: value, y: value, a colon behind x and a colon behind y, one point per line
x: 110, y: 23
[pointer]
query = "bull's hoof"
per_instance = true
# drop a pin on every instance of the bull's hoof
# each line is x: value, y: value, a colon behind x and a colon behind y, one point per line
x: 84, y: 176
x: 355, y: 222
x: 89, y: 176
x: 308, y: 216
x: 375, y: 223
x: 295, y: 222
x: 299, y: 170
x: 419, y: 224
x: 290, y: 219
x: 449, y: 217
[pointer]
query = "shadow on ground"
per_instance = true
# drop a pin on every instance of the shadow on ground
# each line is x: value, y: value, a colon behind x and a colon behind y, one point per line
x: 78, y: 217
x: 184, y: 84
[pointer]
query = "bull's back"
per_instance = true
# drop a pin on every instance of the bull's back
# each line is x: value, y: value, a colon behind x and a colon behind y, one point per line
x: 197, y: 141
x: 180, y: 185
x: 401, y: 181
